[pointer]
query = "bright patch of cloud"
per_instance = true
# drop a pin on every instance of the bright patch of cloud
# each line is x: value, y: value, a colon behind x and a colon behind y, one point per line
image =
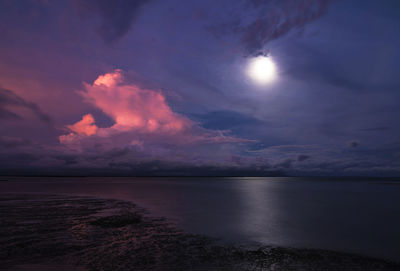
x: 84, y: 127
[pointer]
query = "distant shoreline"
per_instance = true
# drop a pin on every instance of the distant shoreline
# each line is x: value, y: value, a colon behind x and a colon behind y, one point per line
x: 201, y: 176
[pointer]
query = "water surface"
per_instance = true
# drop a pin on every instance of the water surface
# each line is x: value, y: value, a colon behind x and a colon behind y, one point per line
x: 358, y: 216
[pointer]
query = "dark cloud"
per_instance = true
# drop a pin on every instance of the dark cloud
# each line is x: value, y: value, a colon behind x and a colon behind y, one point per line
x: 116, y: 16
x: 226, y: 120
x: 21, y: 157
x: 302, y: 157
x: 318, y: 65
x: 354, y: 144
x: 275, y: 19
x: 12, y: 142
x: 18, y: 159
x: 375, y: 129
x: 67, y: 159
x: 10, y: 99
x: 118, y: 152
x: 6, y: 114
x: 286, y: 164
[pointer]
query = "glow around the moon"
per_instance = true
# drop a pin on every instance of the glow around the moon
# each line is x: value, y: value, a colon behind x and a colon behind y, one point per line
x: 262, y: 70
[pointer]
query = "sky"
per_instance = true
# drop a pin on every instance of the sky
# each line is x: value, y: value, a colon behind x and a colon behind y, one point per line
x: 151, y: 87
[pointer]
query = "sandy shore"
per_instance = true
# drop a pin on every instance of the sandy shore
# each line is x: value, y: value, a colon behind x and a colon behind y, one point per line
x: 72, y: 233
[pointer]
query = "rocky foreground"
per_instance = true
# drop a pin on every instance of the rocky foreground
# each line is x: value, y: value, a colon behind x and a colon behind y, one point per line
x: 70, y: 233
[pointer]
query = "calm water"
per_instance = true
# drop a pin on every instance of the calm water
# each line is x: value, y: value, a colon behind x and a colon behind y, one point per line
x: 361, y: 216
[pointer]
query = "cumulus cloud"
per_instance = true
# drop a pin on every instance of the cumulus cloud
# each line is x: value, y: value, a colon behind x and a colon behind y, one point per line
x: 132, y: 107
x: 9, y: 102
x: 141, y: 116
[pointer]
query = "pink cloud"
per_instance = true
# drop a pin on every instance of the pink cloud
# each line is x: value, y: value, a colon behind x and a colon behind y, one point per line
x: 132, y: 107
x: 85, y: 126
x: 141, y: 115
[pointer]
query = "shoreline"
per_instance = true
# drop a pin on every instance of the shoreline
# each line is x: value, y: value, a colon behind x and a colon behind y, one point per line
x: 86, y: 233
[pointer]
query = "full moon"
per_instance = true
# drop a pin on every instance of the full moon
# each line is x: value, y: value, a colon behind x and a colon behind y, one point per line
x: 261, y: 69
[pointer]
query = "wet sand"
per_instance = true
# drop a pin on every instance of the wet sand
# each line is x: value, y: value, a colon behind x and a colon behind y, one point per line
x: 77, y: 233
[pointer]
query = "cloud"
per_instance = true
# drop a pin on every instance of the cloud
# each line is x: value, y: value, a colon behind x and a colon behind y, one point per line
x: 12, y: 142
x: 116, y: 16
x: 375, y: 129
x: 302, y: 157
x: 261, y: 21
x: 286, y: 164
x: 227, y: 119
x: 132, y: 107
x: 333, y: 160
x: 141, y: 117
x: 84, y: 127
x: 354, y: 144
x: 19, y: 156
x: 9, y: 101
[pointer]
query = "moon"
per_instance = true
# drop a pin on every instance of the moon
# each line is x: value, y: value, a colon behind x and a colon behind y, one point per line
x: 261, y: 70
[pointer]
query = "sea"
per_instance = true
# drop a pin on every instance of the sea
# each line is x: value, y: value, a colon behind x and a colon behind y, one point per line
x: 355, y: 215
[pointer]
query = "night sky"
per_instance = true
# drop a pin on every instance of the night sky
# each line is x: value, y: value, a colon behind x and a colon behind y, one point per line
x: 151, y: 87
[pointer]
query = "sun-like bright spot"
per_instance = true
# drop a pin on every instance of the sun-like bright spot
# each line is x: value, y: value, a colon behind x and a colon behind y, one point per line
x: 262, y: 69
